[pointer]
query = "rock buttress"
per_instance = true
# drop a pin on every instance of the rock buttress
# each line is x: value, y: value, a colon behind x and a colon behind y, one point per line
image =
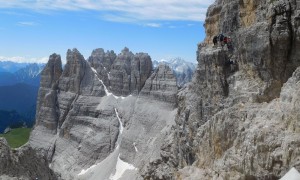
x: 233, y: 119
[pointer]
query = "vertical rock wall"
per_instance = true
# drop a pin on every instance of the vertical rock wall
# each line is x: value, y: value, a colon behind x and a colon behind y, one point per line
x: 232, y: 119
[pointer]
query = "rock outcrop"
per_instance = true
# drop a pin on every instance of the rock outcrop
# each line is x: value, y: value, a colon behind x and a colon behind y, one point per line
x: 80, y: 117
x: 161, y: 84
x: 238, y: 118
x: 23, y: 163
x: 124, y: 74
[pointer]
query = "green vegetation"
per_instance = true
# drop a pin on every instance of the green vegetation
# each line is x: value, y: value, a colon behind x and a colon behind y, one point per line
x: 17, y: 137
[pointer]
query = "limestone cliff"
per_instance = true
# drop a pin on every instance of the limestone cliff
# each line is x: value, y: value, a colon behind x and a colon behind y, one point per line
x: 123, y: 74
x: 86, y: 130
x: 240, y: 120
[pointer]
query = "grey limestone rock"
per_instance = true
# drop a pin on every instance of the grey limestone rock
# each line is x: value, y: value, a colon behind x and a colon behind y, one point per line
x: 233, y: 119
x: 161, y: 84
x: 84, y: 112
x: 123, y: 74
x: 23, y: 163
x: 46, y: 101
x: 102, y: 62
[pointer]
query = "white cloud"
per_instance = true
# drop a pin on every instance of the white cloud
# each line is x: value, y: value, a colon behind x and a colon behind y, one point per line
x: 26, y: 23
x: 138, y: 10
x: 19, y: 59
x: 154, y: 25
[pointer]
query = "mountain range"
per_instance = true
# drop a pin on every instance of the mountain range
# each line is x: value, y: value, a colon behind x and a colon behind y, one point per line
x: 114, y: 117
x: 19, y: 83
x: 20, y: 73
x: 182, y: 69
x: 11, y: 67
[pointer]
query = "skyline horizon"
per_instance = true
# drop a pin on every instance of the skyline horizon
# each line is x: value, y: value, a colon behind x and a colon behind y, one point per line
x: 46, y: 59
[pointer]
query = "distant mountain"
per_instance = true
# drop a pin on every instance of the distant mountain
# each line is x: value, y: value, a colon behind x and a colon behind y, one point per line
x: 12, y: 67
x: 29, y: 74
x: 19, y: 83
x: 183, y: 70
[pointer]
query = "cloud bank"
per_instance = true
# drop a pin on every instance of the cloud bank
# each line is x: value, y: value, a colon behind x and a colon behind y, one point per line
x: 19, y: 59
x: 123, y: 10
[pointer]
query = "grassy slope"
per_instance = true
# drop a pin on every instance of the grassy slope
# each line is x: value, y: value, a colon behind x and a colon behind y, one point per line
x: 17, y: 137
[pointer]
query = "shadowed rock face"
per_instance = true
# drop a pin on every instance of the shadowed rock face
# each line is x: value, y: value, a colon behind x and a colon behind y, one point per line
x: 23, y: 163
x: 47, y: 101
x: 239, y: 121
x: 77, y: 124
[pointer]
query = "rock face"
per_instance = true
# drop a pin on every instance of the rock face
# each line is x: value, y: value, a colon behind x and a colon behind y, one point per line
x: 123, y: 74
x: 23, y: 163
x: 239, y: 121
x: 162, y: 84
x: 80, y: 118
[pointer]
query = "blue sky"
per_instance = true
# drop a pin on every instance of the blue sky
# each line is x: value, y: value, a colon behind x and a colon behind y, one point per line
x: 31, y: 30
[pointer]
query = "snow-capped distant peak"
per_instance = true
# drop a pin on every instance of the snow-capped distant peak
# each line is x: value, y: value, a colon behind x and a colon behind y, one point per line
x: 183, y: 70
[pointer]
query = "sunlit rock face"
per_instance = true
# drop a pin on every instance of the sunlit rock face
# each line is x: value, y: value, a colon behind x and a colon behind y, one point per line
x: 238, y: 119
x: 82, y: 108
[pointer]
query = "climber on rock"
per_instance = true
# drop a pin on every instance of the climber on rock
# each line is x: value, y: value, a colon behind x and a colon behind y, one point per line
x: 215, y: 40
x: 228, y: 43
x: 221, y: 39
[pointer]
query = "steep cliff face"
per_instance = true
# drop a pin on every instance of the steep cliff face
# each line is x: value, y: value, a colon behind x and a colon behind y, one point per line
x: 239, y: 121
x: 123, y: 74
x: 80, y: 118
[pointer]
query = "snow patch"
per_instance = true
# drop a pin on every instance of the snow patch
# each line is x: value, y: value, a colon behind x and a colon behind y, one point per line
x: 105, y: 88
x: 121, y: 167
x: 293, y: 174
x: 121, y: 124
x: 136, y: 150
x: 86, y: 170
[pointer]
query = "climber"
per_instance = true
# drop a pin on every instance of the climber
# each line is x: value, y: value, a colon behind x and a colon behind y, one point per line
x: 226, y: 40
x: 215, y: 40
x: 221, y: 39
x: 228, y: 43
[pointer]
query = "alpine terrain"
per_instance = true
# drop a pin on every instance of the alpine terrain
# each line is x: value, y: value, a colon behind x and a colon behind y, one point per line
x: 112, y: 117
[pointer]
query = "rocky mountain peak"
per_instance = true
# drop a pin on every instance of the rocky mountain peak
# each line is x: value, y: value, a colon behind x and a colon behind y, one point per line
x: 79, y: 120
x: 125, y: 50
x: 123, y: 74
x: 52, y: 71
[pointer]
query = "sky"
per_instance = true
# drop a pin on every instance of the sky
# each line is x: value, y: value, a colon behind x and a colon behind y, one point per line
x: 31, y: 30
